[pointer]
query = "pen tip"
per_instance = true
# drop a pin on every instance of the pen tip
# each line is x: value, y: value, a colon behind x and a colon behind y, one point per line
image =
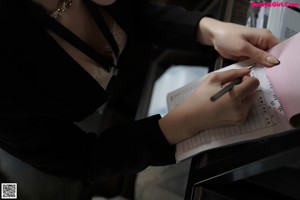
x: 253, y: 65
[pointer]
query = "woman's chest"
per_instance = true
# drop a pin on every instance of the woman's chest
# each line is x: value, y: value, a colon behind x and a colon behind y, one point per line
x: 80, y: 22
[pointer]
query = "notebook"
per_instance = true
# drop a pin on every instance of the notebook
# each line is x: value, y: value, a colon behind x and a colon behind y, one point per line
x: 275, y: 111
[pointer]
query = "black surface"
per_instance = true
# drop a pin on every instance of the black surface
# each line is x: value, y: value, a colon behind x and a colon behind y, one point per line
x: 267, y: 168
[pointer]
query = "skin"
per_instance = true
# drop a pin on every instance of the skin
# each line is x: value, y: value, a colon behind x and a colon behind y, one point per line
x: 237, y: 42
x: 197, y: 113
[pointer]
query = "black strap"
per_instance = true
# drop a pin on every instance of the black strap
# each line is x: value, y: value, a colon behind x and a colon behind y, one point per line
x: 73, y: 39
x: 92, y: 6
x: 49, y: 22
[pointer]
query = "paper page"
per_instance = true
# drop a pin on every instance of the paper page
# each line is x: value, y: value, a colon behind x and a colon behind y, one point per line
x: 174, y: 77
x: 285, y: 77
x: 266, y: 118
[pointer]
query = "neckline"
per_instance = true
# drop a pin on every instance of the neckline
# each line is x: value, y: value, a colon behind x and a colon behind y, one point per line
x: 52, y: 24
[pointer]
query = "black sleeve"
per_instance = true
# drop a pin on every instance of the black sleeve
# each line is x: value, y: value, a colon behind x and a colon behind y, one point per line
x: 57, y: 146
x: 60, y: 148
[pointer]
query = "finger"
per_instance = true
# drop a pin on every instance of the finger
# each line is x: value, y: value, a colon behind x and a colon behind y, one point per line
x: 248, y: 102
x: 249, y: 99
x: 241, y: 58
x: 229, y: 75
x: 270, y: 39
x: 261, y: 56
x: 232, y: 57
x: 248, y: 86
x: 262, y: 38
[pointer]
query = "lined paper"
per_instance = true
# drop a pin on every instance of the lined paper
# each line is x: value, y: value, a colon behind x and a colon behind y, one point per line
x: 266, y: 118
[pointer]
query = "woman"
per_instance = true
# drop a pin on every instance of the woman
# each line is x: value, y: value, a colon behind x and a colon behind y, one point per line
x: 58, y: 58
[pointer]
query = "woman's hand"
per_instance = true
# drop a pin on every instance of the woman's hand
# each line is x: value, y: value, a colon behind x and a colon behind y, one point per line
x: 237, y: 42
x: 198, y: 112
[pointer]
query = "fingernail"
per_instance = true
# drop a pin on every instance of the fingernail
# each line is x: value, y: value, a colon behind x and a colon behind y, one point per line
x: 272, y: 60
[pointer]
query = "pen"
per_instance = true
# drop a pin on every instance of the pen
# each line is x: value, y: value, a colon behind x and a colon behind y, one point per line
x: 228, y: 87
x: 225, y: 89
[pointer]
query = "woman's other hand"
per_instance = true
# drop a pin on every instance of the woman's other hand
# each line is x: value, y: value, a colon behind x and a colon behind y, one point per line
x: 237, y: 42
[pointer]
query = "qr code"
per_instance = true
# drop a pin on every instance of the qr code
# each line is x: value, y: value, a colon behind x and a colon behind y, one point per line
x: 8, y: 190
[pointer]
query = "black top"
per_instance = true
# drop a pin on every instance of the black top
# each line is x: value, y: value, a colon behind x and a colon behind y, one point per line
x: 44, y: 91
